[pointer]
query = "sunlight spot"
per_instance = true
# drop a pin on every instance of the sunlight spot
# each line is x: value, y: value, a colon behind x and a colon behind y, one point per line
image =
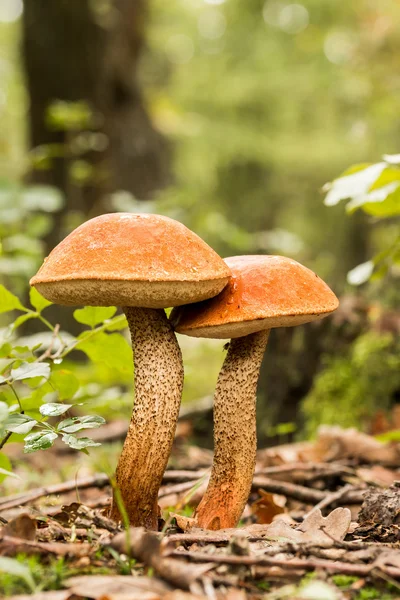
x: 211, y: 24
x: 291, y: 18
x: 180, y: 49
x: 10, y: 10
x: 338, y: 47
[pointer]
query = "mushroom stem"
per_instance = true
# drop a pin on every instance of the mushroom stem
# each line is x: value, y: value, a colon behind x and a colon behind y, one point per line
x: 158, y: 389
x: 235, y: 438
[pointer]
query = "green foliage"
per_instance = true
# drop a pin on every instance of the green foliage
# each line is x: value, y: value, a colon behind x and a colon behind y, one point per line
x: 34, y: 383
x: 375, y: 189
x: 352, y: 387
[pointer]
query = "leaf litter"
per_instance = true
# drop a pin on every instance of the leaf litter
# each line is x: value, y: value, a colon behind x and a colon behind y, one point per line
x: 328, y: 510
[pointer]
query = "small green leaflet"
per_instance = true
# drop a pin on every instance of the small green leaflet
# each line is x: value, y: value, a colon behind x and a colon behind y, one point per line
x: 39, y: 441
x: 17, y: 423
x: 8, y: 301
x: 28, y: 370
x: 75, y: 424
x: 79, y: 443
x: 5, y: 467
x: 93, y: 315
x: 53, y: 409
x: 37, y: 300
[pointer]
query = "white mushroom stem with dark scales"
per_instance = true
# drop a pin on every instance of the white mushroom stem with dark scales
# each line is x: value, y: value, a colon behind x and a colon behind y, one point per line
x: 158, y: 389
x: 235, y: 439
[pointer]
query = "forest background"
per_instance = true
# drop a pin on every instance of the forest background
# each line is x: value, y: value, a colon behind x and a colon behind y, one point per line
x: 229, y: 117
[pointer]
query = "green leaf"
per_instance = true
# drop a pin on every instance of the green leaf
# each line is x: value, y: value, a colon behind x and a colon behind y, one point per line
x: 37, y: 300
x: 65, y: 382
x: 3, y: 412
x: 117, y: 323
x: 79, y: 443
x: 53, y: 409
x: 39, y: 441
x: 75, y: 424
x: 93, y: 315
x: 361, y: 273
x: 112, y: 349
x: 353, y: 185
x: 8, y: 301
x: 29, y: 370
x: 11, y: 566
x: 18, y: 423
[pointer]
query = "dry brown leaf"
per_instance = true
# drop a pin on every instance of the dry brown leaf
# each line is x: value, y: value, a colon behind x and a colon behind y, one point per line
x: 335, y: 443
x: 22, y: 527
x: 266, y: 508
x: 315, y: 528
x: 390, y: 558
x: 53, y: 595
x: 184, y: 523
x: 378, y: 475
x: 117, y: 587
x: 179, y: 595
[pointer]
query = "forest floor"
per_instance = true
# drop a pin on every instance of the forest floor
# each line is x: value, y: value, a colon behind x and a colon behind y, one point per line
x: 322, y: 523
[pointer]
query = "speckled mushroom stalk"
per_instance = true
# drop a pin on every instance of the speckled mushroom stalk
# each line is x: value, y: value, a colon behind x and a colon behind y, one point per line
x: 158, y: 388
x: 144, y: 263
x: 235, y: 439
x: 263, y: 292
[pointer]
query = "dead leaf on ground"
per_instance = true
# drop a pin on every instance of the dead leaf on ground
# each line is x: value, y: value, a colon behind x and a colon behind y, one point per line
x: 53, y: 595
x: 390, y: 558
x: 315, y: 528
x: 117, y: 587
x: 22, y: 527
x: 378, y: 475
x: 335, y: 443
x: 267, y: 507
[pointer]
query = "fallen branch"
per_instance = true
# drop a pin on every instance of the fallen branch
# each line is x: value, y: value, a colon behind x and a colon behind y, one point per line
x: 100, y: 480
x: 146, y: 548
x: 302, y: 493
x: 359, y: 570
x: 11, y: 546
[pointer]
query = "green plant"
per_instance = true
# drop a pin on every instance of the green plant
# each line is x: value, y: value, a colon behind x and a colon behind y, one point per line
x: 375, y: 189
x: 352, y: 387
x: 38, y: 380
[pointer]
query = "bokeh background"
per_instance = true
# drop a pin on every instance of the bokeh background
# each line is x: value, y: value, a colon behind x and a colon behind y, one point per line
x: 229, y: 116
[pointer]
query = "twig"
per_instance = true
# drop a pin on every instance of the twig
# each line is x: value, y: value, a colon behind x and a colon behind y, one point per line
x: 99, y: 480
x: 359, y: 570
x: 11, y: 546
x: 47, y: 353
x: 146, y: 547
x: 302, y: 493
x: 330, y: 499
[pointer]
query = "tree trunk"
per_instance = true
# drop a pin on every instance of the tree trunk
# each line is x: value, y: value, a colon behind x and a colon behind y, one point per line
x: 72, y: 53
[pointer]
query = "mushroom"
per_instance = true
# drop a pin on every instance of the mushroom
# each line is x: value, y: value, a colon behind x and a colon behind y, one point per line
x: 264, y: 292
x: 143, y: 263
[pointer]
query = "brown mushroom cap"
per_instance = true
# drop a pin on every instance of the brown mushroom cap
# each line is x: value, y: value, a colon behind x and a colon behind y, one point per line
x: 264, y: 292
x: 130, y: 259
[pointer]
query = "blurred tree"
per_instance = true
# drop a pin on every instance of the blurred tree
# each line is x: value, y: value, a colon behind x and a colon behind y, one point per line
x: 86, y: 52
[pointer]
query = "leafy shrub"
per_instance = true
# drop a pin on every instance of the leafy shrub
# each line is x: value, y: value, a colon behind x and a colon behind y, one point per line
x: 39, y: 381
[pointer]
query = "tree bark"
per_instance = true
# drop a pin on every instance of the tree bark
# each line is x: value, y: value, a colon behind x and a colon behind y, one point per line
x: 72, y: 53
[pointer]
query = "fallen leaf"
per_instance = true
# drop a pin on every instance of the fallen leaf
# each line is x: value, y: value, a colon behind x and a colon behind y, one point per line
x: 315, y: 528
x: 266, y: 508
x: 117, y: 587
x: 22, y: 527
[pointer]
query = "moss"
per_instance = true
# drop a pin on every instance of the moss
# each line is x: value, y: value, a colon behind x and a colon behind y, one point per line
x: 351, y: 388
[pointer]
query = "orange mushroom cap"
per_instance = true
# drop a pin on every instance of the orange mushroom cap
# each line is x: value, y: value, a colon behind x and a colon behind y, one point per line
x: 263, y: 292
x: 131, y: 260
